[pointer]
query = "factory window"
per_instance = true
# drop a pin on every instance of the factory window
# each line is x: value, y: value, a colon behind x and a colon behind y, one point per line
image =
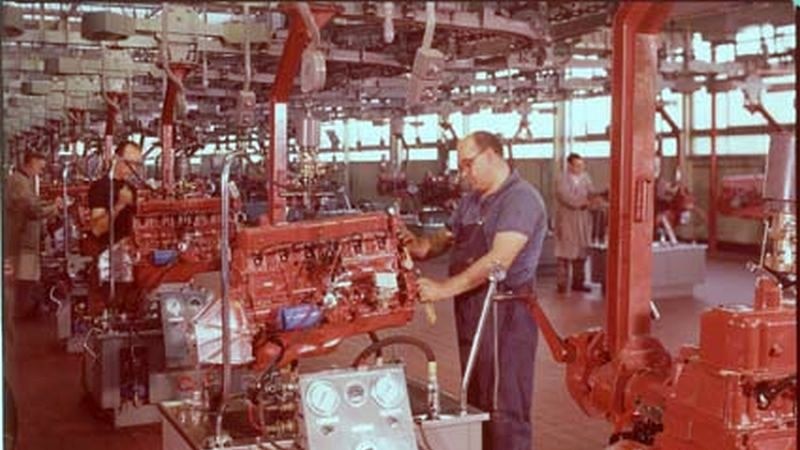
x: 531, y: 151
x: 541, y: 123
x: 504, y: 124
x: 420, y: 129
x: 149, y: 141
x: 452, y: 160
x: 673, y: 103
x: 669, y: 146
x: 701, y: 48
x: 781, y: 105
x: 369, y: 134
x: 784, y: 38
x: 743, y: 145
x: 592, y: 149
x: 701, y: 110
x: 725, y: 53
x: 337, y: 127
x: 457, y: 121
x: 736, y: 112
x: 483, y: 120
x: 369, y: 156
x: 751, y: 144
x: 748, y: 40
x: 328, y: 157
x: 422, y: 154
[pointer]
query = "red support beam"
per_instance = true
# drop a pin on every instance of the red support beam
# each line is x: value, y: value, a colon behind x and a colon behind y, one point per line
x: 632, y: 138
x: 288, y: 67
x: 167, y: 126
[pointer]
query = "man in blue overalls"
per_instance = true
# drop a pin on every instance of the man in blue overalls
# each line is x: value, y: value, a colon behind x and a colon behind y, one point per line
x: 503, y: 221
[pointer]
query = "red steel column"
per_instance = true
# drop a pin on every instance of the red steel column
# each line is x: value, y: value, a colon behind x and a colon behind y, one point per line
x: 712, y: 168
x: 167, y: 124
x: 288, y: 67
x: 632, y: 136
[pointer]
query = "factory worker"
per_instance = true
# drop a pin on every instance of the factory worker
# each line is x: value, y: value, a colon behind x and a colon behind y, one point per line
x: 501, y: 221
x: 24, y: 214
x: 574, y: 196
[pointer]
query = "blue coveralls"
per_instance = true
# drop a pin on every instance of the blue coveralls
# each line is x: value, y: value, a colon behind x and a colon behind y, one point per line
x: 516, y: 206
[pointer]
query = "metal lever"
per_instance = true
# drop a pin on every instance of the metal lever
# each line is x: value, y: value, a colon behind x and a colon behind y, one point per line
x: 224, y: 254
x: 496, y: 275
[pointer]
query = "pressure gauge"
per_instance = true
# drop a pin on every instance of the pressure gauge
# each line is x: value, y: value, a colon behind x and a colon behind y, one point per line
x: 322, y: 398
x: 174, y: 307
x: 387, y: 391
x: 356, y: 394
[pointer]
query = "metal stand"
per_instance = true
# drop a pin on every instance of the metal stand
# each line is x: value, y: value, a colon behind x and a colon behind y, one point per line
x: 496, y: 275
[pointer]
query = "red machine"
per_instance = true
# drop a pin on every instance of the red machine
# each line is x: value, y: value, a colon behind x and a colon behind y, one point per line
x: 738, y: 389
x: 741, y: 196
x: 175, y: 239
x: 314, y: 283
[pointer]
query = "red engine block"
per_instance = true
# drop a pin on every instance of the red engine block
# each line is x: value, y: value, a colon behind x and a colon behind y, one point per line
x: 347, y: 274
x: 189, y: 227
x: 738, y: 390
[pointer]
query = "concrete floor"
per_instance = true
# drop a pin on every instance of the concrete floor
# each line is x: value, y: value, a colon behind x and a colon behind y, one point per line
x: 52, y: 415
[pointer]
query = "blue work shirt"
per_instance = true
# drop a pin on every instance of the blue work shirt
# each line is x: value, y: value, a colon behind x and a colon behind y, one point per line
x: 516, y: 206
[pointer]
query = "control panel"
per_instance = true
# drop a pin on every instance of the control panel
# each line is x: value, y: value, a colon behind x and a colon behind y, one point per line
x: 356, y: 409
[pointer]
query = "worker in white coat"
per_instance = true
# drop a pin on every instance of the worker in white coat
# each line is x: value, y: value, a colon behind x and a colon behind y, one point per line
x: 574, y: 196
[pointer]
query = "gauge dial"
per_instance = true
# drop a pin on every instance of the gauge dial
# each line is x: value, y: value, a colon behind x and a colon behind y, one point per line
x: 387, y: 391
x: 174, y: 307
x: 356, y: 394
x: 322, y: 398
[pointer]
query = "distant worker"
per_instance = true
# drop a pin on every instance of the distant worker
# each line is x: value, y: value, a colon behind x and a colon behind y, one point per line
x: 502, y: 221
x: 24, y: 214
x: 574, y: 196
x: 128, y: 162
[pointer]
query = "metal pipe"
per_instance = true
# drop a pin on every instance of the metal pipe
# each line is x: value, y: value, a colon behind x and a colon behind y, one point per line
x: 111, y: 278
x: 64, y: 179
x: 430, y: 24
x: 712, y: 187
x: 496, y: 275
x: 224, y: 253
x: 496, y: 358
x: 247, y: 63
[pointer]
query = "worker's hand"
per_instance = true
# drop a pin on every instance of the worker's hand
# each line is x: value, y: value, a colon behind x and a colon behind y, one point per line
x: 125, y: 196
x: 432, y: 291
x: 58, y: 202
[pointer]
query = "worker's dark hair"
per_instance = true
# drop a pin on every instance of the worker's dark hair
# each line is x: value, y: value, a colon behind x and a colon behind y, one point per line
x: 120, y: 150
x: 31, y: 155
x: 484, y: 140
x: 573, y: 157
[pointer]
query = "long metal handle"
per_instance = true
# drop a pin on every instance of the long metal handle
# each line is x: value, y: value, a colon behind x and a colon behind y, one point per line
x: 111, y: 276
x: 65, y: 207
x: 224, y: 254
x: 496, y: 357
x: 496, y: 275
